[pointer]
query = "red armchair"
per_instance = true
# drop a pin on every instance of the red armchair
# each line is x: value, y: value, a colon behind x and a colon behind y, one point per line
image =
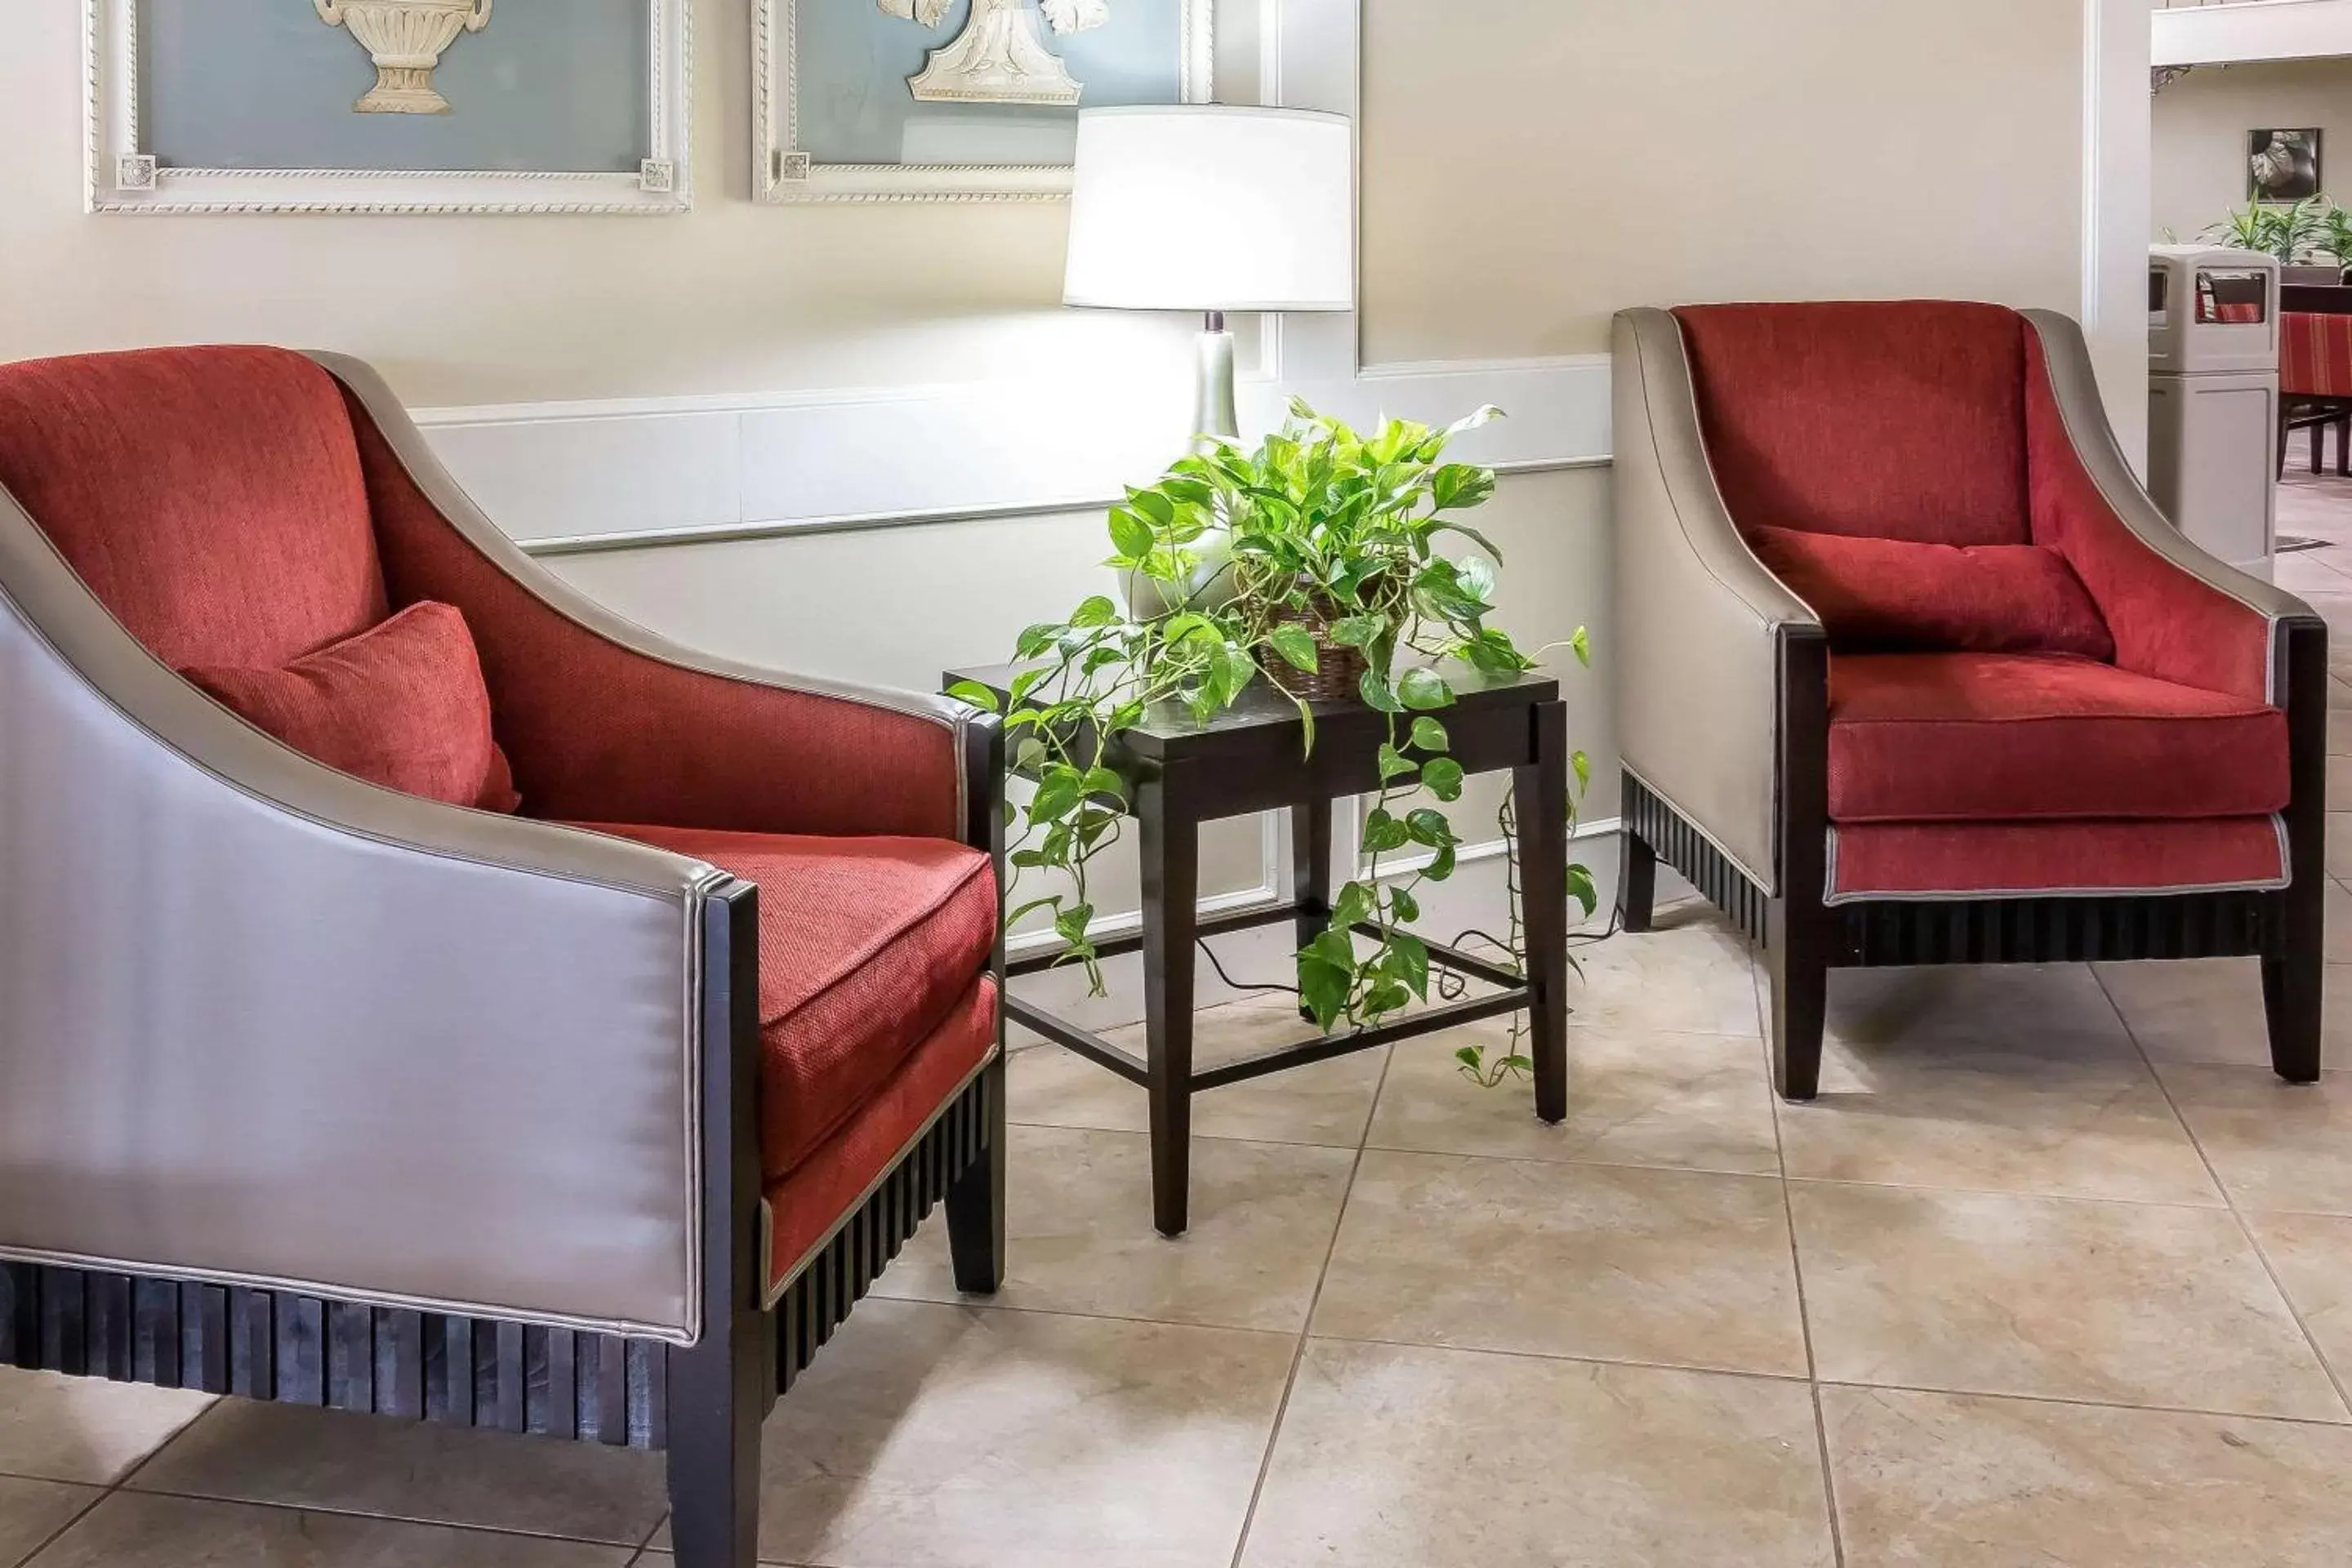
x: 315, y: 1090
x: 1910, y: 671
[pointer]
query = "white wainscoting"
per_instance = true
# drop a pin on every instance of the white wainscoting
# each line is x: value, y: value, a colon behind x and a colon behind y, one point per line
x: 617, y: 475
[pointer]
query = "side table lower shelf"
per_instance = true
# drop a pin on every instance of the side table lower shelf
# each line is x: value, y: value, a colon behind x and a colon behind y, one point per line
x: 1171, y: 1157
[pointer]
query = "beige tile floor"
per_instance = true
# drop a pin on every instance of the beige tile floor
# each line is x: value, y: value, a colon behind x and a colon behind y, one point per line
x: 2055, y: 1272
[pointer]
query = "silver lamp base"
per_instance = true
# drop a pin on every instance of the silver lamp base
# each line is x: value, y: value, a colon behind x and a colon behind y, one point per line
x: 1213, y: 399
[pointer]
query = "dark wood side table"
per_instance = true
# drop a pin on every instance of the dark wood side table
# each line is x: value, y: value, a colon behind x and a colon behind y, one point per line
x: 1181, y: 773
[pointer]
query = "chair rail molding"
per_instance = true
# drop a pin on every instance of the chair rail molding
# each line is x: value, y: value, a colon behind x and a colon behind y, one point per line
x: 121, y: 175
x: 2247, y: 30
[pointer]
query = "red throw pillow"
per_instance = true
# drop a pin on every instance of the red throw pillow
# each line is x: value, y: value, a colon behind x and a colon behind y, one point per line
x: 402, y: 705
x: 1881, y: 595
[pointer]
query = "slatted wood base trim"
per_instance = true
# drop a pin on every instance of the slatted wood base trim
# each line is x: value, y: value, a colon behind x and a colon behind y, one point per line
x: 431, y: 1366
x: 1976, y: 930
x: 2057, y: 931
x: 816, y: 1303
x: 1688, y: 851
x: 344, y: 1355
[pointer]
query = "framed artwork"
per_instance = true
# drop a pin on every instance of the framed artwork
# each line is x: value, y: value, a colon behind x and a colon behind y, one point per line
x: 2283, y: 165
x: 955, y: 99
x: 387, y: 106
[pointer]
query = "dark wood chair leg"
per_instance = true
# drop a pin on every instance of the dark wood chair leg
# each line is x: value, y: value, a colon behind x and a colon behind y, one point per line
x: 720, y: 1390
x: 976, y: 1202
x: 2293, y: 991
x: 1637, y: 881
x: 1170, y: 842
x: 1800, y: 977
x: 1310, y: 872
x: 2344, y: 446
x: 1541, y: 792
x: 2319, y: 445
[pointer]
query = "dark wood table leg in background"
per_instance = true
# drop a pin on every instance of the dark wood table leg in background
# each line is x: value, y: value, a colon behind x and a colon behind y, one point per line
x: 1171, y: 848
x: 1310, y: 871
x: 1541, y: 792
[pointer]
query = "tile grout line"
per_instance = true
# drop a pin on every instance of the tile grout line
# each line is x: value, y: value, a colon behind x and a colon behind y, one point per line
x: 1307, y: 1324
x: 1804, y: 1313
x: 31, y: 1559
x: 2229, y: 1203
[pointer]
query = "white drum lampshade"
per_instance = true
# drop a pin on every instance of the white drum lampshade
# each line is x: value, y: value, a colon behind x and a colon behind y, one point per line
x: 1211, y: 208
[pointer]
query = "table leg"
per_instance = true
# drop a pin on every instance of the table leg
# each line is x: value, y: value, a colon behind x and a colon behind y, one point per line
x: 1543, y: 795
x: 1170, y: 850
x: 1310, y: 871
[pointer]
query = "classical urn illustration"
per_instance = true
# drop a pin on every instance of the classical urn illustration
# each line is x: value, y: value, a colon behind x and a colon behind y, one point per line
x: 1002, y: 56
x: 404, y: 38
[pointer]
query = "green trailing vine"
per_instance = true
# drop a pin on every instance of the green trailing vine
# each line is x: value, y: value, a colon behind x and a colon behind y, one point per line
x: 1248, y: 566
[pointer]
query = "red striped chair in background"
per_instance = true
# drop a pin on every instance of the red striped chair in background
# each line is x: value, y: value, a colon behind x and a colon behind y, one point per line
x: 2316, y: 385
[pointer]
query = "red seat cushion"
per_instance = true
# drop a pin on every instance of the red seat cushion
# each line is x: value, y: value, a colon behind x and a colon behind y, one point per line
x: 1889, y: 594
x: 866, y: 946
x: 1961, y: 737
x: 803, y: 1206
x: 211, y: 497
x: 402, y: 705
x: 1919, y: 860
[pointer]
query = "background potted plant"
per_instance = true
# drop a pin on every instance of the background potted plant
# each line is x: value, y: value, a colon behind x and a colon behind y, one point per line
x: 2298, y: 233
x: 1310, y: 566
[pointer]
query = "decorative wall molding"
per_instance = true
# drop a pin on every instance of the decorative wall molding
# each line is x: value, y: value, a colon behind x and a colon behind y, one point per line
x: 782, y: 171
x: 569, y: 477
x: 122, y: 176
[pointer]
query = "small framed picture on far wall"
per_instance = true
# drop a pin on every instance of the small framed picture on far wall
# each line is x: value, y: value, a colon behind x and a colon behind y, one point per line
x: 2283, y: 165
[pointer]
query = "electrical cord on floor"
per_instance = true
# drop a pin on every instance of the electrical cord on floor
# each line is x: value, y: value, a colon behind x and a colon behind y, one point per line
x: 1211, y: 953
x: 1448, y: 986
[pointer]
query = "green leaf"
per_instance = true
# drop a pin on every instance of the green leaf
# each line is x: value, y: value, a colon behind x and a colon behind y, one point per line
x: 1429, y: 734
x: 1377, y: 695
x: 1102, y: 781
x: 1035, y: 640
x: 1097, y: 611
x: 1409, y: 962
x: 1296, y: 644
x: 979, y: 696
x: 1129, y: 534
x: 1424, y: 689
x: 1439, y: 866
x: 1395, y: 764
x: 1443, y: 777
x: 1352, y: 907
x: 1071, y: 924
x: 1384, y: 832
x: 1402, y: 905
x: 1581, y: 644
x: 1470, y: 1057
x: 1359, y: 631
x: 1429, y: 826
x: 1030, y: 753
x: 1582, y: 765
x: 1323, y: 989
x: 1335, y: 947
x: 1152, y: 505
x: 1580, y: 888
x: 1057, y: 794
x: 1046, y: 904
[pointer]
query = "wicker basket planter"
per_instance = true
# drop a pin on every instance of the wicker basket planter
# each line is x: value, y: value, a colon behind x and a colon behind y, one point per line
x: 1338, y: 671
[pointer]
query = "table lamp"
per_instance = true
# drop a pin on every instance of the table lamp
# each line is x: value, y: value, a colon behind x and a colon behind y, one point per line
x: 1213, y: 208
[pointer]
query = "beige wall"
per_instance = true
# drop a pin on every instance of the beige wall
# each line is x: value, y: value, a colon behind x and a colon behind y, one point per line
x: 728, y: 298
x: 2199, y: 155
x: 1530, y: 168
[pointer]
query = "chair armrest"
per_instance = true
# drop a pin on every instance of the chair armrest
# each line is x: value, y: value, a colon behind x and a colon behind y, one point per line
x: 606, y: 722
x: 2176, y: 613
x: 261, y: 1022
x: 1700, y: 622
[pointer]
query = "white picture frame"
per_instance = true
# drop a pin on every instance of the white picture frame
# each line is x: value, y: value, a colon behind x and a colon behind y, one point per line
x: 784, y: 173
x: 123, y: 175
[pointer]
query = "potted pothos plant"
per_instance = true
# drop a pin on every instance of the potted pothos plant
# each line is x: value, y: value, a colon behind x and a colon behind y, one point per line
x: 1311, y: 564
